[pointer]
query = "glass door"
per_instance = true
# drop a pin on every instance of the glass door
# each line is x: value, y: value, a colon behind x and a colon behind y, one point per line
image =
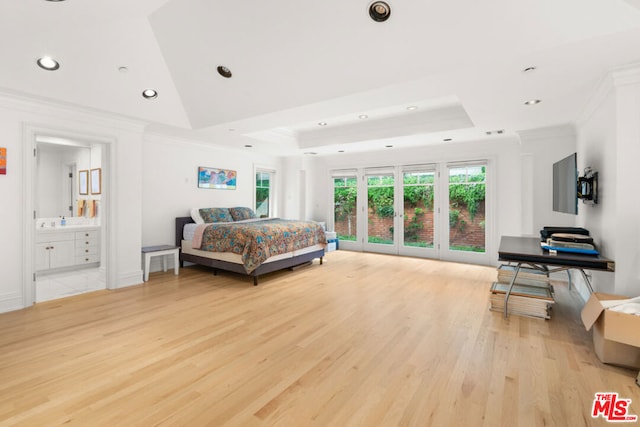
x: 345, y: 208
x: 466, y: 220
x: 419, y: 207
x: 381, y: 211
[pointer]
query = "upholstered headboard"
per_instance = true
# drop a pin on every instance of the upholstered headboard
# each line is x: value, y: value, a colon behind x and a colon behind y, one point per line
x: 180, y: 223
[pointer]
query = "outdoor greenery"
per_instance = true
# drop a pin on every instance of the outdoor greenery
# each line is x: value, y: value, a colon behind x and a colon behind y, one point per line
x: 467, y: 191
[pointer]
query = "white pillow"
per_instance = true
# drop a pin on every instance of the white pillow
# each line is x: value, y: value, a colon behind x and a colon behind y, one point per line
x: 195, y: 216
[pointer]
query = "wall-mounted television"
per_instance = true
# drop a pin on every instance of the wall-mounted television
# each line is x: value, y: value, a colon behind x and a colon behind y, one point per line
x: 565, y: 189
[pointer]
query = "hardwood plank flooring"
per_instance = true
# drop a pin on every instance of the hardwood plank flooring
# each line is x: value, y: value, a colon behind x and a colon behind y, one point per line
x: 365, y: 339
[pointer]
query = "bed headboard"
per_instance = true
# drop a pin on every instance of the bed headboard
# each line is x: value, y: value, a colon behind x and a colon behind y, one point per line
x: 180, y: 223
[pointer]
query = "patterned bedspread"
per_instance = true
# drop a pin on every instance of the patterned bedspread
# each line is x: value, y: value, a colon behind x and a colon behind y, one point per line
x: 260, y: 239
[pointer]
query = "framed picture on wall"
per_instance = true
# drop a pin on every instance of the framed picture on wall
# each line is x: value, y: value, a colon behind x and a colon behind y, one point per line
x: 83, y: 182
x: 221, y: 179
x: 3, y: 161
x: 96, y: 181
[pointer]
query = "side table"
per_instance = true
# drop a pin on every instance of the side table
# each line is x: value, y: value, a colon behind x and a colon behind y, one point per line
x: 161, y: 250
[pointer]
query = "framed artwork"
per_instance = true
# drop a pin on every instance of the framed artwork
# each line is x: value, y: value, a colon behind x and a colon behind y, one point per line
x: 3, y: 161
x: 96, y: 181
x: 221, y: 179
x: 83, y: 182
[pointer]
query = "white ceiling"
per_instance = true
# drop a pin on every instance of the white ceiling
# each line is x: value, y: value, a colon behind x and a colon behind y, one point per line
x: 298, y: 63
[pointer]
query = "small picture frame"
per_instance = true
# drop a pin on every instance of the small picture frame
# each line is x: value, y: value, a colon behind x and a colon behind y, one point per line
x: 83, y: 182
x: 96, y: 181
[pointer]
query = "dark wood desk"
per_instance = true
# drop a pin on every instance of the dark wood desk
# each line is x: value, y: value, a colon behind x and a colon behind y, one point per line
x: 527, y: 251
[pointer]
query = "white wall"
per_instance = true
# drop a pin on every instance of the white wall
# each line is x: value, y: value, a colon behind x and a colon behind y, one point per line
x: 542, y: 148
x: 169, y: 179
x: 16, y: 115
x: 609, y: 142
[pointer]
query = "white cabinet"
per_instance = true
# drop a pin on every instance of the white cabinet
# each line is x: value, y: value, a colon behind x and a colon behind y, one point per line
x: 55, y: 250
x: 66, y: 248
x: 87, y: 247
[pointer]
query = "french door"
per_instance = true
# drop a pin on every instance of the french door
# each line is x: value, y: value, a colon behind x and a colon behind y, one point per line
x: 431, y: 210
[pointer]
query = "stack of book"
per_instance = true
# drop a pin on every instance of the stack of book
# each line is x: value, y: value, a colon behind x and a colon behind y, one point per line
x: 532, y: 294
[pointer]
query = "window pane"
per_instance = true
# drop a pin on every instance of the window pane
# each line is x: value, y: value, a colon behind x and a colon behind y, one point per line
x: 345, y: 200
x: 418, y: 192
x: 380, y: 196
x: 263, y: 194
x: 467, y: 193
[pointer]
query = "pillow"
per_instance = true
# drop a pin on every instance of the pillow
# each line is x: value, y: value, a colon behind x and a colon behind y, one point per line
x: 216, y: 215
x: 241, y: 213
x: 195, y: 216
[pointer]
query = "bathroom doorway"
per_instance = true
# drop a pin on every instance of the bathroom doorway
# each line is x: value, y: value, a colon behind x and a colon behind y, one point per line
x: 69, y: 210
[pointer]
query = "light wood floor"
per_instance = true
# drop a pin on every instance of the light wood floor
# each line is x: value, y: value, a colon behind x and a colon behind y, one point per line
x: 365, y: 339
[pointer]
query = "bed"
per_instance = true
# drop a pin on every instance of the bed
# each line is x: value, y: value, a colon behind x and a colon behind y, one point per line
x: 251, y: 247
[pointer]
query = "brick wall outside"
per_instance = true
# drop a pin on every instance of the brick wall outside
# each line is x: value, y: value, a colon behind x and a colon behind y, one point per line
x: 471, y: 234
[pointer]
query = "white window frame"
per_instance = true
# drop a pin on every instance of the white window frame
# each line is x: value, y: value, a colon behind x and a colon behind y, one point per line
x: 272, y: 188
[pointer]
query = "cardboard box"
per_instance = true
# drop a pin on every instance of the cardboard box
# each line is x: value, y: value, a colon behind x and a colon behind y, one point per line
x: 616, y: 336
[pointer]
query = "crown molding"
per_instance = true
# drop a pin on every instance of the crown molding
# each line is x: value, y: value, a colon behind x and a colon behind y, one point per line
x: 19, y: 101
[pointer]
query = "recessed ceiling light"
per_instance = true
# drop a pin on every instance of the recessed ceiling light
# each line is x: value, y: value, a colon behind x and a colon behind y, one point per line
x: 379, y: 11
x: 532, y: 102
x: 412, y: 107
x: 388, y: 146
x: 322, y: 124
x: 311, y: 153
x: 150, y: 93
x: 248, y: 145
x: 54, y: 1
x: 123, y: 69
x: 224, y: 71
x: 232, y: 130
x: 363, y: 116
x: 447, y: 139
x: 340, y: 151
x: 529, y: 69
x: 48, y: 63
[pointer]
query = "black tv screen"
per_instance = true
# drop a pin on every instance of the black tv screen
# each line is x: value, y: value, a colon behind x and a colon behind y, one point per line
x: 565, y: 179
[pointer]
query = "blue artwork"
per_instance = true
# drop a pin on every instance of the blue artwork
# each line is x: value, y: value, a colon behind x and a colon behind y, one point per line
x: 222, y: 179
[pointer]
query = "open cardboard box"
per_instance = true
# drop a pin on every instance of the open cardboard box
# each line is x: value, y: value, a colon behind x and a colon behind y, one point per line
x: 616, y: 336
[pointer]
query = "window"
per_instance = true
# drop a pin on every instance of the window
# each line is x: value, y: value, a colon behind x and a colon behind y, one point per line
x: 467, y: 193
x: 264, y: 193
x: 345, y: 202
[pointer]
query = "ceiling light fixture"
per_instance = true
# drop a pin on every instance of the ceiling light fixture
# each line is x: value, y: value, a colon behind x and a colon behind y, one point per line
x: 248, y: 145
x: 379, y: 11
x: 150, y: 93
x: 529, y: 69
x: 311, y: 153
x: 363, y: 116
x: 447, y: 139
x: 532, y: 102
x: 388, y: 146
x: 412, y: 107
x: 322, y: 124
x: 48, y: 63
x: 54, y: 1
x: 224, y: 71
x: 123, y: 69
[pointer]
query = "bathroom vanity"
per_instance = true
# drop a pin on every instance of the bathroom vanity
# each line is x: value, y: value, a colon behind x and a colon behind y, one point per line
x: 67, y: 247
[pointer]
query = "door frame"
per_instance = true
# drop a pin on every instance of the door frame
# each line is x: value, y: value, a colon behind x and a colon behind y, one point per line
x: 30, y: 132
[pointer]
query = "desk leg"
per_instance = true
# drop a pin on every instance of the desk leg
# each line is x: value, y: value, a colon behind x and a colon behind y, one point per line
x: 586, y: 280
x: 506, y: 297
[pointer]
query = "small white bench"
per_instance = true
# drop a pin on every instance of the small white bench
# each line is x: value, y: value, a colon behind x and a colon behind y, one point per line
x: 162, y: 250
